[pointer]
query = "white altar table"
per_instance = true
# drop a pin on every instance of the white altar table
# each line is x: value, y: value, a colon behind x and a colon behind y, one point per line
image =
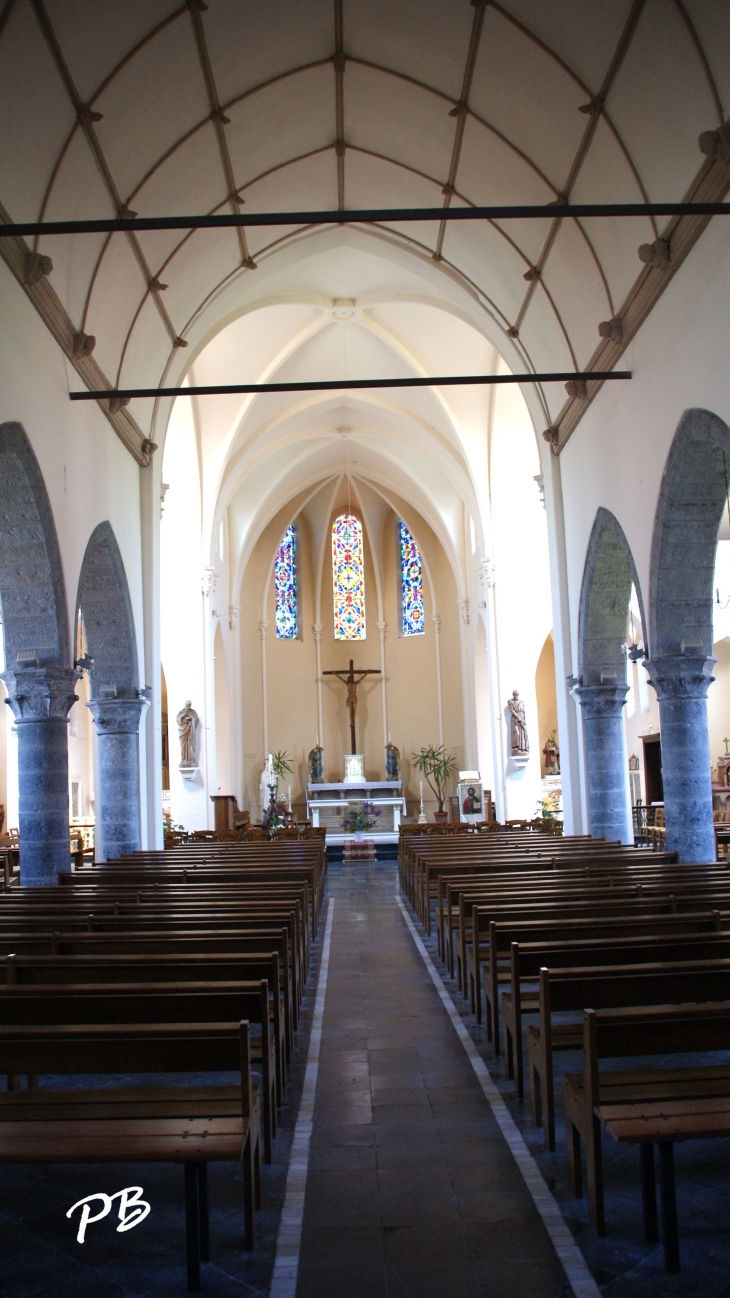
x: 326, y: 804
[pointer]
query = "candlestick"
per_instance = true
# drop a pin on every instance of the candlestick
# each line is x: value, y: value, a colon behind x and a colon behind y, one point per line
x: 290, y: 799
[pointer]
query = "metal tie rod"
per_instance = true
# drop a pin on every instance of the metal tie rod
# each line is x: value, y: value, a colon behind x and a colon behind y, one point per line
x: 339, y: 385
x: 379, y: 215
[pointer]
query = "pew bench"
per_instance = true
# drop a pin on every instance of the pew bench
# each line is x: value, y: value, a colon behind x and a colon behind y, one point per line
x: 662, y: 1122
x: 192, y: 1126
x: 571, y: 990
x: 167, y: 968
x: 79, y: 1005
x: 596, y: 1096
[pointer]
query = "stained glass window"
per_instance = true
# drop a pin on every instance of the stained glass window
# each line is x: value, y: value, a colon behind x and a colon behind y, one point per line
x: 285, y: 586
x: 411, y: 584
x: 348, y: 578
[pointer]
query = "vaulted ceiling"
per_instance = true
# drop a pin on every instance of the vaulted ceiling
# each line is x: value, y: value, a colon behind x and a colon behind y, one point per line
x: 163, y: 108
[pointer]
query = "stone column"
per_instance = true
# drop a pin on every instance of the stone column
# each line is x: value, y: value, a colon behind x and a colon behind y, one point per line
x: 681, y: 685
x: 117, y: 727
x: 41, y: 698
x: 602, y: 707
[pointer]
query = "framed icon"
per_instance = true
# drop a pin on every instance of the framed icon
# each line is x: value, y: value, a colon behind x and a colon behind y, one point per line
x: 471, y: 801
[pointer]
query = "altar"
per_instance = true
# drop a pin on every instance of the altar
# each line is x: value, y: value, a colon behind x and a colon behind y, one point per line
x: 327, y: 803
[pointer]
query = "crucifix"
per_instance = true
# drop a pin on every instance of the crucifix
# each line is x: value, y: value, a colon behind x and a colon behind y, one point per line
x: 352, y: 679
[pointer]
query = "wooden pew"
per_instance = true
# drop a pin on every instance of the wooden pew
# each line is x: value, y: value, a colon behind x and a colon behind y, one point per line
x: 648, y: 1105
x: 188, y: 1125
x: 79, y: 1004
x: 715, y: 894
x: 587, y: 946
x: 616, y: 987
x: 162, y: 967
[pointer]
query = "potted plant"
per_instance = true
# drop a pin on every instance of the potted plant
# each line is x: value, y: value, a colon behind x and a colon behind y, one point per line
x: 280, y: 765
x: 358, y: 819
x: 437, y: 765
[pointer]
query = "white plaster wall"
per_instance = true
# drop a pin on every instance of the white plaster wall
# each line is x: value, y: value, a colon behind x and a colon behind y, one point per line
x: 617, y: 455
x: 522, y: 585
x: 182, y: 614
x: 88, y: 473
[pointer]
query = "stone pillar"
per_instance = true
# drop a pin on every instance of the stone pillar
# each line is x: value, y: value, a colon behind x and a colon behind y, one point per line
x: 41, y: 698
x: 117, y: 726
x: 681, y: 685
x: 602, y: 707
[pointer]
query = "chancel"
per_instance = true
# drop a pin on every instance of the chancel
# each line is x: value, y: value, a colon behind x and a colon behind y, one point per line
x: 365, y: 637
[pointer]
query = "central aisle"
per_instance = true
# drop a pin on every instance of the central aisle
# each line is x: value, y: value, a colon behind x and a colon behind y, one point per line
x: 412, y: 1191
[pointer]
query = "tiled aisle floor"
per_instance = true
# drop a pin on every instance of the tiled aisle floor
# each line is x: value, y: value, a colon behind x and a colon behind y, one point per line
x: 412, y: 1191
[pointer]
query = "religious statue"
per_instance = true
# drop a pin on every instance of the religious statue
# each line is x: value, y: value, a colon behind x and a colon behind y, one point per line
x: 316, y: 767
x: 187, y: 720
x: 519, y: 742
x: 392, y: 762
x: 551, y: 753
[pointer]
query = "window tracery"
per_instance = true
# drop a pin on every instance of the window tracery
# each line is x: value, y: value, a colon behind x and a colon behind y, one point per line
x: 348, y: 578
x: 285, y: 586
x: 413, y: 621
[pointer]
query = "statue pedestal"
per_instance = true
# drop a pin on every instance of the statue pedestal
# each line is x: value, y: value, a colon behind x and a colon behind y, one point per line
x: 354, y: 768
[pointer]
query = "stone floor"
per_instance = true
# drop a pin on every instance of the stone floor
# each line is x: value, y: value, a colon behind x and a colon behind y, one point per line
x: 412, y: 1191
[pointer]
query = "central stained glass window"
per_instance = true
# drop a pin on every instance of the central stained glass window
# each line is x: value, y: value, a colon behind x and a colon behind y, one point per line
x: 285, y: 586
x: 348, y: 578
x: 411, y: 584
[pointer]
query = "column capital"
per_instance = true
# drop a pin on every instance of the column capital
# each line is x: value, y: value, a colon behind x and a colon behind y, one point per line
x: 464, y: 610
x: 41, y: 693
x: 317, y: 629
x: 487, y: 573
x: 233, y: 615
x: 117, y: 716
x: 436, y: 619
x: 382, y: 628
x: 686, y: 676
x: 605, y: 700
x: 263, y: 628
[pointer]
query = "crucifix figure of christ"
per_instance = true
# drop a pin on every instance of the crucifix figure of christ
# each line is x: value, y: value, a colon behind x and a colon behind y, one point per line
x: 352, y: 679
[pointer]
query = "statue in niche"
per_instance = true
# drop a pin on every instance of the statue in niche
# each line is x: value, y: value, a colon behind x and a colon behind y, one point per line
x: 316, y: 766
x: 187, y: 720
x: 551, y: 753
x: 392, y: 762
x: 519, y: 741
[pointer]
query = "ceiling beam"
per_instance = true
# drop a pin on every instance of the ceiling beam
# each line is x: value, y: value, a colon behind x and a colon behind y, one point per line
x: 365, y: 215
x: 28, y: 271
x: 338, y: 385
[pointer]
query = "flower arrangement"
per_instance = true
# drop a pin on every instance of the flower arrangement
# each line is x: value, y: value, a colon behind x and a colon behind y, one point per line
x: 357, y: 819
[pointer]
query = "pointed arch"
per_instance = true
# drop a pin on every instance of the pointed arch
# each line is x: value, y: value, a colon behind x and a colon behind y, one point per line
x: 106, y: 608
x: 691, y: 500
x: 608, y: 576
x: 32, y: 588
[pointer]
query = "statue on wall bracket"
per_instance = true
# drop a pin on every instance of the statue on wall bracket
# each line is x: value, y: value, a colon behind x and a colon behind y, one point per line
x: 187, y: 720
x: 519, y: 740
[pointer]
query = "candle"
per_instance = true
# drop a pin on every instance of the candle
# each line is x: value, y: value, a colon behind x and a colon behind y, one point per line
x: 421, y: 788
